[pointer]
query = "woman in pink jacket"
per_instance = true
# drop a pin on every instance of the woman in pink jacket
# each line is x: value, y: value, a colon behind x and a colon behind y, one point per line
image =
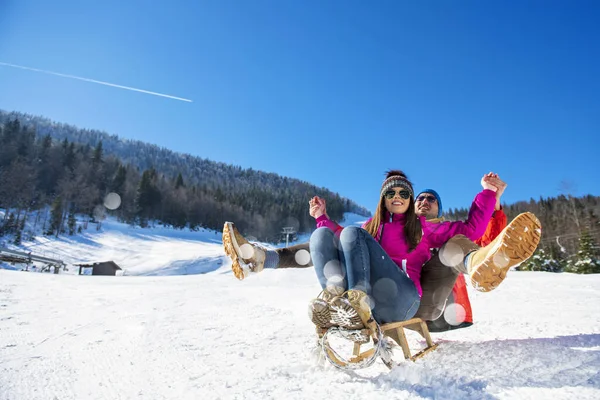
x: 374, y: 272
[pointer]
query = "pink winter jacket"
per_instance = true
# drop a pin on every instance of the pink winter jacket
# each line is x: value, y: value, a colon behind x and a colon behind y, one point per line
x: 394, y: 242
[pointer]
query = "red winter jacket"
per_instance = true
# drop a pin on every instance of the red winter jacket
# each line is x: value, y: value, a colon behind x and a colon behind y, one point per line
x: 496, y: 225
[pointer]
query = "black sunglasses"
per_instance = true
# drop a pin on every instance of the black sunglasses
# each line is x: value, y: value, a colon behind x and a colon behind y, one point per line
x: 405, y: 194
x: 430, y: 199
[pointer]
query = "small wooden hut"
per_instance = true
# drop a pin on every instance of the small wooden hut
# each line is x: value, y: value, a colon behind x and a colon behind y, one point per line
x: 101, y: 268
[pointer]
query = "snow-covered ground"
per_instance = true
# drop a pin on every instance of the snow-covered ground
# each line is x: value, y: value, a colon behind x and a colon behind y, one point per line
x: 210, y: 336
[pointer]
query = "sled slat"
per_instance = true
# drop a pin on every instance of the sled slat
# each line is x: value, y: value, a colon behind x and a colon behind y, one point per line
x: 423, y: 352
x: 425, y: 334
x: 362, y: 356
x: 395, y: 330
x: 356, y: 351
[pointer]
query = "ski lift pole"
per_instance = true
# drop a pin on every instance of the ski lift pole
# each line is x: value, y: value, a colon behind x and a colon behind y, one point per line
x: 287, y: 231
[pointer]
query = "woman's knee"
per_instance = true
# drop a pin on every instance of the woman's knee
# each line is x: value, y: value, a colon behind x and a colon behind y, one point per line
x: 321, y: 233
x: 351, y: 235
x: 321, y: 238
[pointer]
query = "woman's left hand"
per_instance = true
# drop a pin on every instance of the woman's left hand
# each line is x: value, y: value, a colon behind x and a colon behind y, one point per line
x: 318, y: 207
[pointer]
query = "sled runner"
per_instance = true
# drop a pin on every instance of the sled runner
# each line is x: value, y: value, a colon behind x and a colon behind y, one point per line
x: 377, y: 345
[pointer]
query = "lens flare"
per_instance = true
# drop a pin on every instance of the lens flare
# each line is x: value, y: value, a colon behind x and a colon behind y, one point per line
x: 451, y: 254
x: 302, y: 257
x: 247, y: 251
x: 348, y: 238
x: 112, y: 201
x: 333, y: 268
x: 362, y: 285
x: 336, y: 281
x: 385, y: 290
x: 455, y: 314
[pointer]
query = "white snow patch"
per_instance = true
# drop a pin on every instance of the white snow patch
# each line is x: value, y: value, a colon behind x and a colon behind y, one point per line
x: 210, y: 336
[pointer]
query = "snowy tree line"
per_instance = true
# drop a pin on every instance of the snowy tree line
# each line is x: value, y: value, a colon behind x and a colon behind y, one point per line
x: 46, y: 165
x: 585, y: 261
x: 71, y: 170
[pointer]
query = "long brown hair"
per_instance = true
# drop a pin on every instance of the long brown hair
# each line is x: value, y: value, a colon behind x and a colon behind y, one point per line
x: 412, y: 228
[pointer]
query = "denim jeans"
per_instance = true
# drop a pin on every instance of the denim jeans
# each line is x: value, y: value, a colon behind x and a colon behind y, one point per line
x: 356, y: 261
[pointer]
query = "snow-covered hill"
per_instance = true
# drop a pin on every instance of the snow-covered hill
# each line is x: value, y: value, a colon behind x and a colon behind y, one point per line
x: 210, y: 336
x: 149, y: 251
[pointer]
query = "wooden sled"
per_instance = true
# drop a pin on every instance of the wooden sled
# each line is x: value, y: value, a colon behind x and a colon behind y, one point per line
x: 395, y: 330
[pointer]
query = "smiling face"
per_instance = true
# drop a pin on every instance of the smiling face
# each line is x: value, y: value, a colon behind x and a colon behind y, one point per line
x: 426, y: 204
x: 397, y: 200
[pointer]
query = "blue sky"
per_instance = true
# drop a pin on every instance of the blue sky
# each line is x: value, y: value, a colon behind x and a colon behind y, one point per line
x: 330, y: 92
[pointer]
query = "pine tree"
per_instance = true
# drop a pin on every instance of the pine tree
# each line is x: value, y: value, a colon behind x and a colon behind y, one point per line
x: 557, y: 256
x: 98, y: 154
x: 148, y: 197
x: 18, y: 237
x: 71, y: 223
x: 586, y: 261
x: 118, y: 183
x: 21, y: 225
x: 96, y: 175
x: 179, y: 181
x: 11, y: 224
x: 55, y: 217
x: 541, y: 261
x: 69, y: 155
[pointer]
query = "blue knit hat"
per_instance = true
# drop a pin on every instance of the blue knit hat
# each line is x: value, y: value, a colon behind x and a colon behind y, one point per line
x: 437, y: 196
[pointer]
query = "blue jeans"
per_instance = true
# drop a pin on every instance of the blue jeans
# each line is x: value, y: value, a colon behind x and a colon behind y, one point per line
x: 357, y: 261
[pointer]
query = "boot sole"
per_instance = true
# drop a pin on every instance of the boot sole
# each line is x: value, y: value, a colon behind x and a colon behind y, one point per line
x: 518, y: 242
x: 240, y: 269
x: 344, y: 315
x: 320, y: 316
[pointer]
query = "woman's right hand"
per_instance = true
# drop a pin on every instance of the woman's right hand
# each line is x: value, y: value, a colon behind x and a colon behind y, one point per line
x: 318, y: 207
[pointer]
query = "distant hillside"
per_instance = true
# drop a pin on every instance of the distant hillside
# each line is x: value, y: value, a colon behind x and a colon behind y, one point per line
x: 44, y: 162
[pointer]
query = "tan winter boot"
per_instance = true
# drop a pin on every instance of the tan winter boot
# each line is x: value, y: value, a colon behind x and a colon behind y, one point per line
x: 320, y: 315
x: 516, y: 243
x: 245, y: 257
x: 352, y: 311
x: 319, y: 311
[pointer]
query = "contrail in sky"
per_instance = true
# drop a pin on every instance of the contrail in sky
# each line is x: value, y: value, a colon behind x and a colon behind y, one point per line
x: 95, y: 81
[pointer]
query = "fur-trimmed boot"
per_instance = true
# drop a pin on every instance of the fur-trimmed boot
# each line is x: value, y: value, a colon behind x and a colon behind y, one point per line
x: 352, y: 311
x: 246, y: 257
x: 319, y: 310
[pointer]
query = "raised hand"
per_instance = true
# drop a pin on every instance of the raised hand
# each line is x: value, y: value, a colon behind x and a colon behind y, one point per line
x: 495, y: 180
x: 318, y: 207
x: 487, y: 181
